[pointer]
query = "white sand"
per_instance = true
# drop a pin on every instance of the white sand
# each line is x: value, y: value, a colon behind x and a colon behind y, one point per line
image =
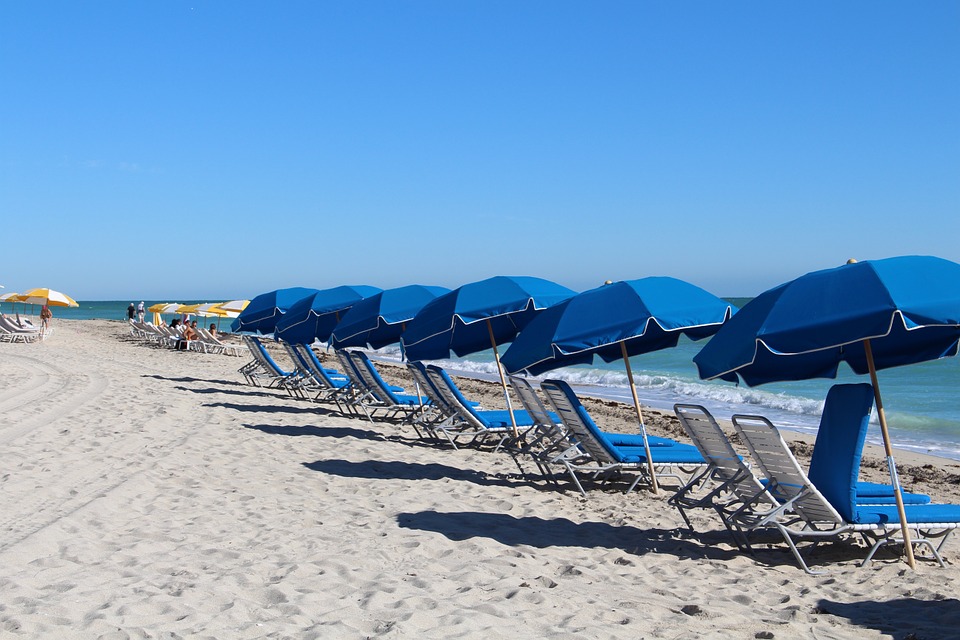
x: 150, y: 493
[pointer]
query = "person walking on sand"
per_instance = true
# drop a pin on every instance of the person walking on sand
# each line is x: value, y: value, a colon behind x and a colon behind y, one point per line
x: 131, y: 310
x: 45, y: 316
x: 140, y: 311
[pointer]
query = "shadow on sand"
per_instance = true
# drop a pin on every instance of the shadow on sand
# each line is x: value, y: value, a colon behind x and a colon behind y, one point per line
x: 323, y: 432
x: 398, y: 470
x: 901, y: 618
x: 559, y: 532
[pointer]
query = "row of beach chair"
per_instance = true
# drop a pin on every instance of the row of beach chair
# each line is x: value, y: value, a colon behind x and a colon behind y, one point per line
x: 165, y: 336
x: 560, y: 439
x: 23, y: 331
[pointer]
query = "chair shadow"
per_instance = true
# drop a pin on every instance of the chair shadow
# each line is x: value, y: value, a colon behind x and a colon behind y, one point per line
x: 232, y: 392
x: 234, y: 383
x: 267, y: 408
x: 398, y: 470
x: 323, y: 432
x: 900, y: 618
x: 560, y: 532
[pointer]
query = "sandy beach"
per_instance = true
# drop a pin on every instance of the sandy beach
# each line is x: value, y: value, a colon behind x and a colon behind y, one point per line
x: 149, y: 493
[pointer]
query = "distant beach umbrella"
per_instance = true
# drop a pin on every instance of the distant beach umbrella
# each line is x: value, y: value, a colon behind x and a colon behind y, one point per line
x: 164, y: 307
x: 380, y: 319
x: 315, y: 316
x: 872, y: 315
x: 48, y: 297
x: 234, y: 306
x: 477, y: 316
x: 616, y: 321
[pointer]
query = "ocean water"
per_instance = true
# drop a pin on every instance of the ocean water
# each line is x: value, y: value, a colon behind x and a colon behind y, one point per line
x: 921, y: 401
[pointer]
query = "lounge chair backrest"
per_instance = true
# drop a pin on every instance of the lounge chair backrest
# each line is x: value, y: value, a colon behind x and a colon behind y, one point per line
x: 835, y: 464
x: 530, y: 400
x: 372, y: 377
x: 419, y: 372
x: 264, y: 356
x: 314, y: 365
x: 452, y: 395
x: 716, y: 449
x: 350, y: 370
x: 778, y: 463
x: 575, y: 418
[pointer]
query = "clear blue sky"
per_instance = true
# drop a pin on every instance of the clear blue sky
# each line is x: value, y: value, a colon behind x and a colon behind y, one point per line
x: 212, y: 150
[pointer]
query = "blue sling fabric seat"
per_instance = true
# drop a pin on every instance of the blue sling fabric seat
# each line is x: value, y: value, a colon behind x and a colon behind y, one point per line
x: 846, y: 412
x: 601, y: 454
x: 829, y: 510
x: 481, y: 424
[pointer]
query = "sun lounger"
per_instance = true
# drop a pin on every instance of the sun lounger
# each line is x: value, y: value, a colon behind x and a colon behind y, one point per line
x: 829, y: 511
x: 383, y: 395
x: 480, y: 425
x: 727, y: 485
x: 606, y: 457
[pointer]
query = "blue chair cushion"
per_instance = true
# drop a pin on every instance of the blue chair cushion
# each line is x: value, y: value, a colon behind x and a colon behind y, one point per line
x: 500, y: 419
x: 678, y: 454
x: 636, y: 440
x: 922, y: 513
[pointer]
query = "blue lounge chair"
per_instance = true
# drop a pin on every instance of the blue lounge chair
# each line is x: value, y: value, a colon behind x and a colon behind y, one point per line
x: 480, y: 425
x: 382, y: 395
x: 265, y: 367
x: 727, y: 485
x: 847, y: 407
x: 830, y: 510
x: 605, y: 455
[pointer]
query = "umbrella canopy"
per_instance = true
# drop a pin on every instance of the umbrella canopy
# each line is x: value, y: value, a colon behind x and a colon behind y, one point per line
x: 908, y: 307
x: 164, y: 307
x: 188, y: 309
x: 380, y: 319
x: 234, y: 305
x: 462, y: 320
x: 48, y: 297
x: 641, y: 315
x: 10, y: 297
x: 616, y: 321
x: 265, y: 310
x: 215, y: 309
x: 315, y: 316
x: 479, y: 316
x: 872, y: 315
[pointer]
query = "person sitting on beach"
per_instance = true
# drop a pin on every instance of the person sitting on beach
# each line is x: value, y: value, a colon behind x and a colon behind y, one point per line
x: 213, y: 330
x: 175, y: 323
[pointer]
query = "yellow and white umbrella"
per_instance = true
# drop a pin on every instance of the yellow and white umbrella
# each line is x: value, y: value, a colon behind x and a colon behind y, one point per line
x: 234, y: 305
x: 164, y: 307
x: 216, y: 309
x: 48, y: 297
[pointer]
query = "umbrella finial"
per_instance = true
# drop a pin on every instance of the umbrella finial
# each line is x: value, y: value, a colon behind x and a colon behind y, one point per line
x: 852, y: 261
x: 606, y: 282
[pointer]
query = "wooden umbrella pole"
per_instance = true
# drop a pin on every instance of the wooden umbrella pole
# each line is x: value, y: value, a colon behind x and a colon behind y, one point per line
x: 894, y: 478
x: 503, y: 380
x: 643, y: 429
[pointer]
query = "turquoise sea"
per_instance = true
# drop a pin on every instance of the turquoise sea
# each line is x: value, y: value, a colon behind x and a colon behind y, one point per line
x: 921, y: 401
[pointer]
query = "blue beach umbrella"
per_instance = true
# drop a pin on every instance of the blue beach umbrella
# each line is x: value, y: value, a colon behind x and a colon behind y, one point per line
x: 616, y: 321
x: 872, y: 315
x: 477, y: 316
x: 263, y: 311
x: 315, y: 316
x: 379, y: 319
